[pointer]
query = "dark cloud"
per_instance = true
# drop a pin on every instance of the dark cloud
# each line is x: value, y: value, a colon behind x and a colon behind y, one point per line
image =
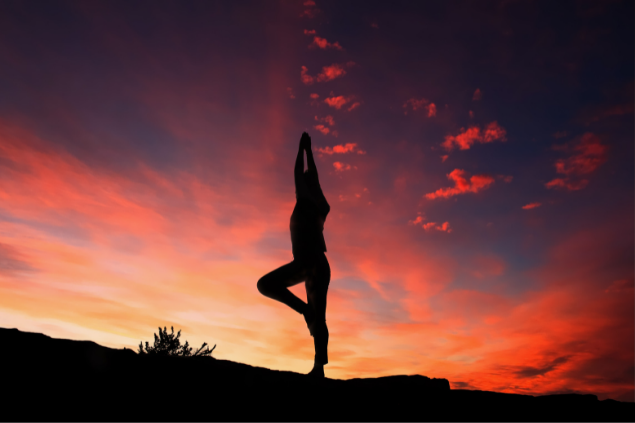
x: 528, y: 371
x: 462, y: 385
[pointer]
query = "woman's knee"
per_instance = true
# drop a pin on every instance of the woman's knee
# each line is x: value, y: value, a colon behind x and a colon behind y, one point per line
x: 264, y: 287
x: 320, y: 329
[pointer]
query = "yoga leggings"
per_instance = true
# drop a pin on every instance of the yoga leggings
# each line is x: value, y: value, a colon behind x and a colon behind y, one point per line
x: 315, y: 271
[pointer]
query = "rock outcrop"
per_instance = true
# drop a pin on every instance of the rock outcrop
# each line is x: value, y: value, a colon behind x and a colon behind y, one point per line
x: 49, y: 379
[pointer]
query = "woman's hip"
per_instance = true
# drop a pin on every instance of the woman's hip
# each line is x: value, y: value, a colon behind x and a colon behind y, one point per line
x: 316, y: 265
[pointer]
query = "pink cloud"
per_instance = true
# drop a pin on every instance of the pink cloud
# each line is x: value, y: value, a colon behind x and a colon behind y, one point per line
x: 337, y: 102
x: 341, y: 167
x: 444, y: 227
x: 328, y: 73
x: 341, y: 149
x: 444, y: 158
x: 353, y: 106
x: 586, y: 156
x: 414, y: 104
x: 309, y: 32
x: 477, y: 95
x: 432, y: 110
x: 422, y: 103
x: 327, y: 119
x: 493, y: 132
x: 290, y: 92
x: 428, y: 226
x: 333, y: 71
x: 462, y: 185
x: 567, y: 184
x: 323, y: 129
x: 471, y: 114
x: 590, y: 153
x: 464, y: 140
x: 531, y: 206
x: 418, y: 220
x: 305, y: 77
x: 314, y: 96
x: 323, y: 44
x: 506, y: 178
x: 311, y: 10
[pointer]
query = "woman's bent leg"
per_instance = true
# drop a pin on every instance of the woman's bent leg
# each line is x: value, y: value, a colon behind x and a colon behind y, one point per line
x: 275, y: 285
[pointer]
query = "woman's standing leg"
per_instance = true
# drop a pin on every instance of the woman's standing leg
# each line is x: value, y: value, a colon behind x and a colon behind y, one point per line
x: 317, y: 285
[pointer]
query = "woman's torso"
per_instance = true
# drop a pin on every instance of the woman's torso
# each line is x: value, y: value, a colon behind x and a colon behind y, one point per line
x: 307, y: 226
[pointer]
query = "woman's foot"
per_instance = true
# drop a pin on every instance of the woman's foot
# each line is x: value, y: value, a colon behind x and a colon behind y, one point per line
x: 317, y: 372
x: 309, y: 318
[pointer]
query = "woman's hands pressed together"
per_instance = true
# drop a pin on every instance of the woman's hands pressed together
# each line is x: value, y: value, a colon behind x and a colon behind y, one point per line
x: 305, y: 142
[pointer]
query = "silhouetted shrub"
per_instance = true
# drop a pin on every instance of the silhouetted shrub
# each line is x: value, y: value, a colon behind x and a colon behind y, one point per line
x: 169, y: 344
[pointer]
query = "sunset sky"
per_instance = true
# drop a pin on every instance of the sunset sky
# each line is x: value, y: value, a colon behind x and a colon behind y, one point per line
x: 477, y: 157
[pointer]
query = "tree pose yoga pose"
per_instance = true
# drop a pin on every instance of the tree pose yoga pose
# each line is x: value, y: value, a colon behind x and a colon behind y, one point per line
x: 309, y: 263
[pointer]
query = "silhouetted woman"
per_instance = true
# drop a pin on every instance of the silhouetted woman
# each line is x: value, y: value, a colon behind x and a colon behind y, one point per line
x: 309, y: 263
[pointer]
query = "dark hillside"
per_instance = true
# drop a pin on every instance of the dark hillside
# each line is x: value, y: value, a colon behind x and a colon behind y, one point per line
x: 48, y: 379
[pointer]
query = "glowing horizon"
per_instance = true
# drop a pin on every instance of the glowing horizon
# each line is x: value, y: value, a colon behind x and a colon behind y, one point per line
x: 481, y: 224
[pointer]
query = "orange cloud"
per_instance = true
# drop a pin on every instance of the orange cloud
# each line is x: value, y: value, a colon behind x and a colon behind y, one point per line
x: 337, y: 102
x: 428, y: 226
x: 341, y: 167
x: 444, y: 227
x: 587, y: 155
x: 477, y: 95
x: 416, y: 221
x: 422, y: 103
x: 323, y: 44
x: 464, y: 140
x: 341, y: 149
x: 333, y: 71
x: 328, y: 73
x: 462, y: 185
x: 444, y: 158
x: 531, y: 206
x: 323, y: 129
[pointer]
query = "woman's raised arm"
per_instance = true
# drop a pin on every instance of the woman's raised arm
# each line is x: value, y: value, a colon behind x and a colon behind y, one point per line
x: 320, y: 200
x: 301, y: 189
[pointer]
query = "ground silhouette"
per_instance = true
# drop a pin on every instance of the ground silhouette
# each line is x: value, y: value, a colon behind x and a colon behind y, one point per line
x: 47, y: 379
